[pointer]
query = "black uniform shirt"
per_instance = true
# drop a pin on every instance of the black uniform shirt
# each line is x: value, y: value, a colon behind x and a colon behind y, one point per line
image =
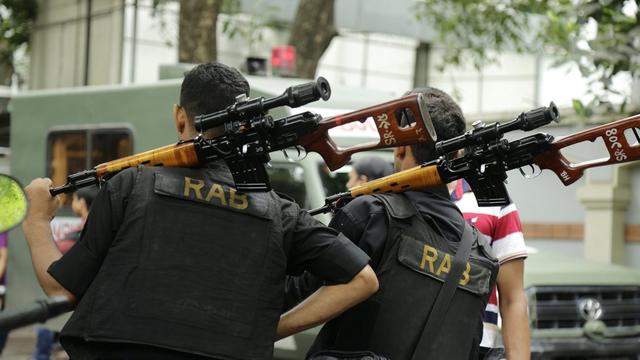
x: 310, y: 245
x: 364, y: 220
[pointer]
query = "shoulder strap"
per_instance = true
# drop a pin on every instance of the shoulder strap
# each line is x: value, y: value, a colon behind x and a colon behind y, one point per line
x: 445, y: 295
x: 397, y: 205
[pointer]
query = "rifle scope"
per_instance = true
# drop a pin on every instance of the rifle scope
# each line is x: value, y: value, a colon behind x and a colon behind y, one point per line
x: 293, y: 96
x: 483, y: 134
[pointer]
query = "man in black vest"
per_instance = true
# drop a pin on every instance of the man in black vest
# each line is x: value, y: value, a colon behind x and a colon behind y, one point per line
x: 412, y: 239
x: 174, y: 263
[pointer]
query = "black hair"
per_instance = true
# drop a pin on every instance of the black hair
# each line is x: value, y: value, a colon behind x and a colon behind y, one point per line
x: 446, y: 116
x: 88, y: 194
x: 211, y: 87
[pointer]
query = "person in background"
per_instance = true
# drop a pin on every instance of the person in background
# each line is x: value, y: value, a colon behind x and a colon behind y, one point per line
x: 80, y: 205
x: 502, y: 225
x: 367, y: 169
x: 47, y: 339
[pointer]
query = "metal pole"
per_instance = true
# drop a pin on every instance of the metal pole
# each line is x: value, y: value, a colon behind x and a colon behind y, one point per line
x: 134, y: 38
x: 87, y: 50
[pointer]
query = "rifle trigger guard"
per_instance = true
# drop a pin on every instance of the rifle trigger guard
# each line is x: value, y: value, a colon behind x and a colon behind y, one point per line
x: 535, y: 172
x: 301, y: 154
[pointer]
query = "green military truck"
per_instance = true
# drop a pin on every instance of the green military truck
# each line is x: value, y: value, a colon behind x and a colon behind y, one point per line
x: 578, y: 309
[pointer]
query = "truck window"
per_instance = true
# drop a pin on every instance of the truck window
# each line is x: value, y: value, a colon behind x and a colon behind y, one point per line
x: 289, y: 180
x: 71, y: 151
x: 334, y: 182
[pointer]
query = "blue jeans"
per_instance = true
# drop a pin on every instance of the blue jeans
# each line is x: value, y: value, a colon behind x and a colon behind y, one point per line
x: 44, y: 343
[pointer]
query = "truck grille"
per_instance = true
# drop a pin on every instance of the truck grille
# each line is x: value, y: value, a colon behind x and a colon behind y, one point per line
x: 563, y: 307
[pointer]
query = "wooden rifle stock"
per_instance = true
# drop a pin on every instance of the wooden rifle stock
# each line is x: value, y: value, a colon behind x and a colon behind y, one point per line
x: 417, y: 178
x: 387, y: 122
x: 615, y: 140
x: 182, y: 154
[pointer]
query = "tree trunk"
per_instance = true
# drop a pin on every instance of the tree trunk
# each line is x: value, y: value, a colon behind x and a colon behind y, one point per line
x: 197, y: 30
x: 634, y: 106
x: 311, y: 33
x: 6, y: 64
x: 6, y: 73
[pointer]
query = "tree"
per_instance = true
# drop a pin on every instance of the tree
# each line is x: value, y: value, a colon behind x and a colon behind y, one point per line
x: 16, y: 24
x: 601, y: 37
x: 311, y: 33
x: 198, y: 23
x: 197, y: 30
x: 197, y: 26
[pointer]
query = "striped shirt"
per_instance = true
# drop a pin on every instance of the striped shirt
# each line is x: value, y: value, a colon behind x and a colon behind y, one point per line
x: 502, y: 225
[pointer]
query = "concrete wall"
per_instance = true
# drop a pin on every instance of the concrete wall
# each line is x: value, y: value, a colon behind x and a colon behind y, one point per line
x: 58, y: 55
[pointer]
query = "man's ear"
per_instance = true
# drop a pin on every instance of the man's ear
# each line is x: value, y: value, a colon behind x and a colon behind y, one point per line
x: 178, y: 118
x: 400, y: 152
x: 364, y: 178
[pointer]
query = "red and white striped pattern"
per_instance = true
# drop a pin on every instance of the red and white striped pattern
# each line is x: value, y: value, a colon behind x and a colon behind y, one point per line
x: 502, y: 225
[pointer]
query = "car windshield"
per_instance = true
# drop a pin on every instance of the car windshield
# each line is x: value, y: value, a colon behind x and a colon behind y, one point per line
x: 288, y: 179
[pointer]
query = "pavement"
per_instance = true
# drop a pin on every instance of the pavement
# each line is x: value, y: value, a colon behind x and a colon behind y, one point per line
x: 21, y: 344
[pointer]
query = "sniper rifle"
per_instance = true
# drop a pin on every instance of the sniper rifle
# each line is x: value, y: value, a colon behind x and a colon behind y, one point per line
x: 249, y: 134
x: 488, y: 156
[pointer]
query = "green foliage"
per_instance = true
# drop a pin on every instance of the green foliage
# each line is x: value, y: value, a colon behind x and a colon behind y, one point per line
x: 17, y: 18
x: 250, y: 28
x: 13, y: 203
x: 602, y: 37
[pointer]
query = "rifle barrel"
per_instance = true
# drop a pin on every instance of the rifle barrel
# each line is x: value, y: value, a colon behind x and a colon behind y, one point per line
x: 41, y: 311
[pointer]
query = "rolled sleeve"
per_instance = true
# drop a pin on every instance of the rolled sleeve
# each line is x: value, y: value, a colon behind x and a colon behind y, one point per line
x: 322, y: 251
x: 339, y: 262
x: 66, y: 270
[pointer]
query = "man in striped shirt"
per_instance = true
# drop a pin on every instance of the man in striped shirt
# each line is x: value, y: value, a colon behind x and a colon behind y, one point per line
x: 502, y: 225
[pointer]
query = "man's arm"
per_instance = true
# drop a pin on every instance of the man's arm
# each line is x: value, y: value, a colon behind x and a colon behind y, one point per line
x: 298, y: 288
x: 3, y: 260
x: 327, y: 303
x: 513, y: 309
x: 37, y: 231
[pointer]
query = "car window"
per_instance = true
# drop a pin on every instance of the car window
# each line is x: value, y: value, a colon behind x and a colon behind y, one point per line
x: 288, y: 179
x: 74, y: 150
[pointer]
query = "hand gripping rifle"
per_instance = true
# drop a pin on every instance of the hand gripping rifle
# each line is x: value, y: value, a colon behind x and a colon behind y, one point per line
x: 250, y: 134
x: 488, y: 157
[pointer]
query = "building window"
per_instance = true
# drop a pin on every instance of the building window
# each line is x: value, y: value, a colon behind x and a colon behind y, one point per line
x: 71, y: 151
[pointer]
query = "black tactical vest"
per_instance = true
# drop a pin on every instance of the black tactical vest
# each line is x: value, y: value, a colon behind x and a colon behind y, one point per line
x: 196, y: 267
x: 412, y: 270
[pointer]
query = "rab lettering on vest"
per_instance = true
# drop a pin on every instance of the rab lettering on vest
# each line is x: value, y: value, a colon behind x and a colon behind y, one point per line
x: 431, y: 257
x: 214, y: 192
